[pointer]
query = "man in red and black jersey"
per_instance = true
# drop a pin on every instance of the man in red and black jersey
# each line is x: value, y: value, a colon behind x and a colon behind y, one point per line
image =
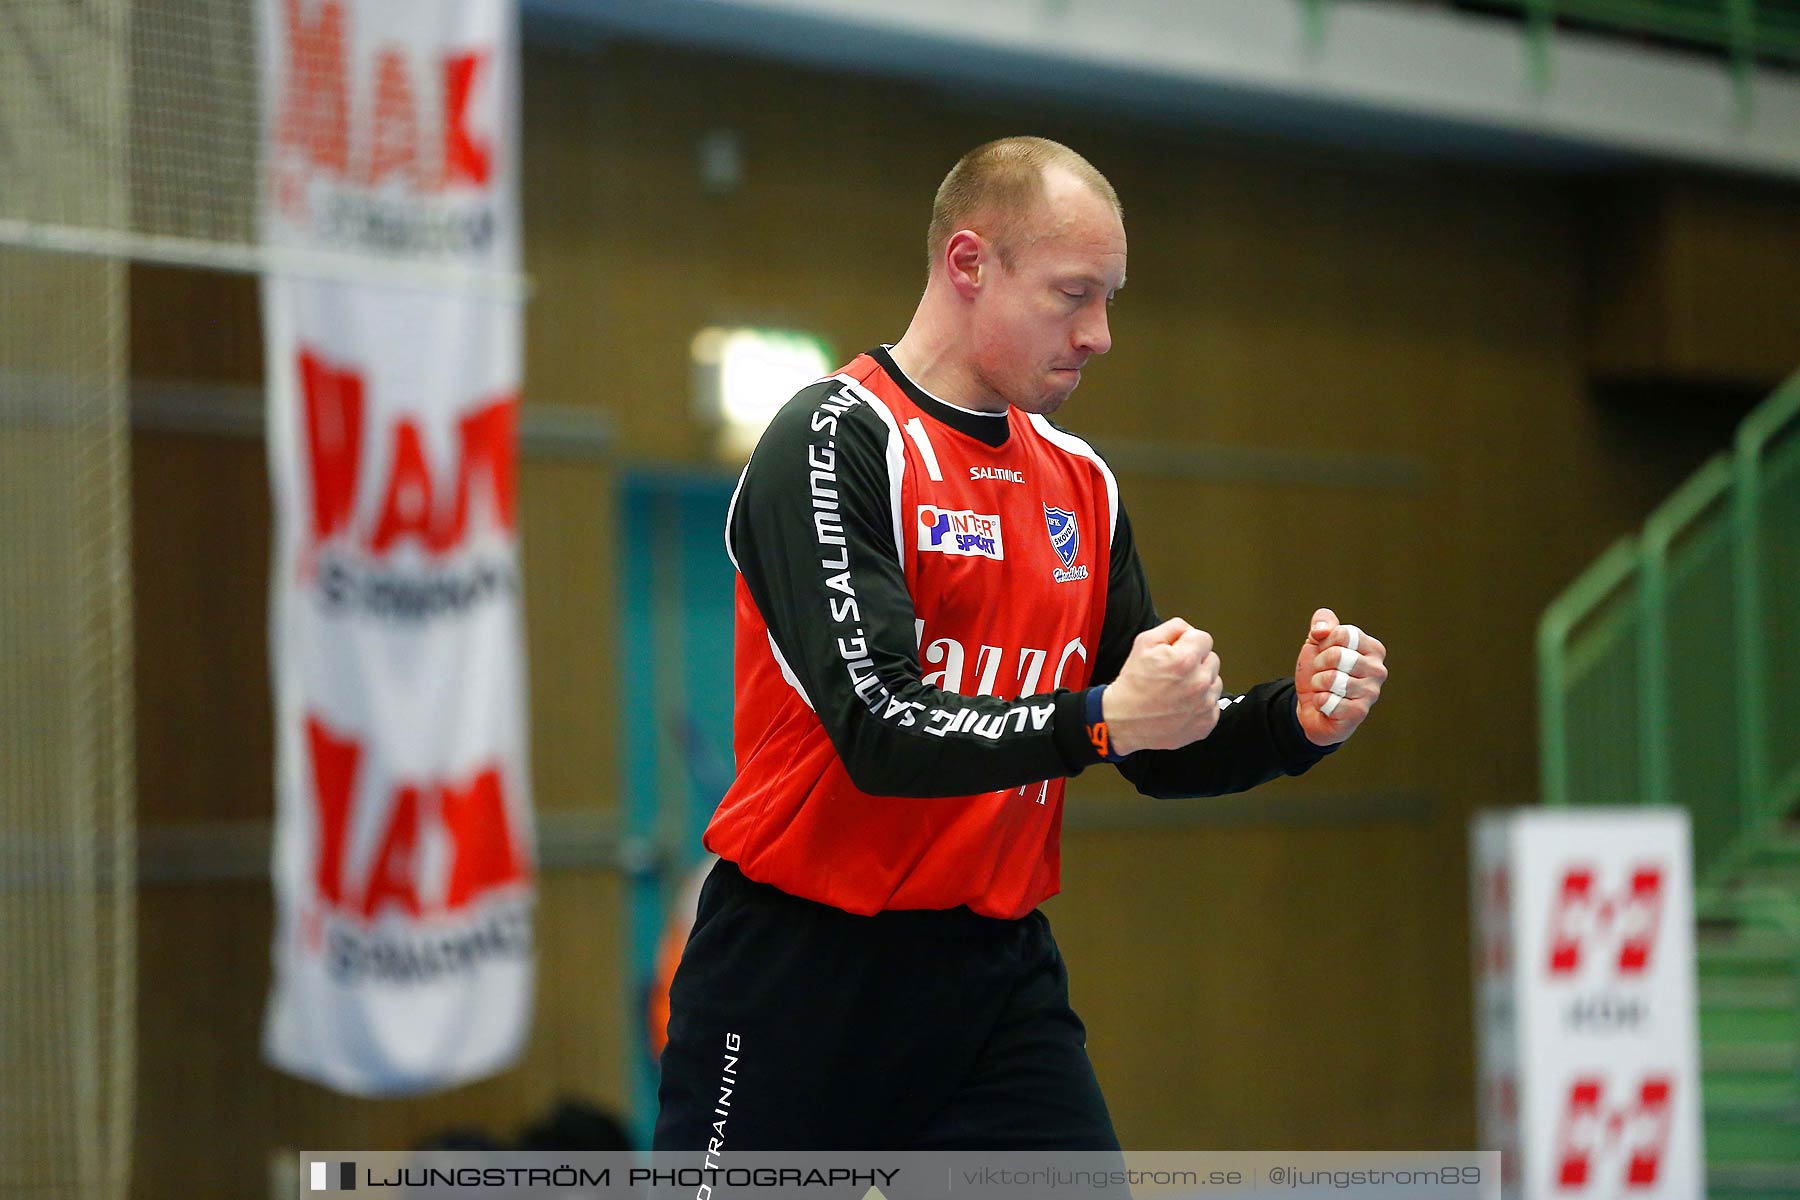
x: 941, y: 617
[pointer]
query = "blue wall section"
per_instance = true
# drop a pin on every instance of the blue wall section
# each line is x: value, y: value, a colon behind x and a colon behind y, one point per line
x: 676, y: 607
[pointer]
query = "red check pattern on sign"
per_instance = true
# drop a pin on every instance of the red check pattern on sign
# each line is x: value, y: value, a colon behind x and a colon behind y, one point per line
x: 1628, y: 1136
x: 1617, y: 929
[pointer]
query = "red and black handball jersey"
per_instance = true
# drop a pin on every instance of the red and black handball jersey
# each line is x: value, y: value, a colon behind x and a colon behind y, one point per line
x: 924, y: 595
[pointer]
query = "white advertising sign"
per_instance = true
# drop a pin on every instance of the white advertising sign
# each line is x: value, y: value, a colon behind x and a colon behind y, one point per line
x: 404, y: 848
x: 1585, y: 1003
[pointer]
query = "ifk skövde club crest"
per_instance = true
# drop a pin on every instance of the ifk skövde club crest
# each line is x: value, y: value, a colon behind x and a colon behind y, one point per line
x: 1065, y: 534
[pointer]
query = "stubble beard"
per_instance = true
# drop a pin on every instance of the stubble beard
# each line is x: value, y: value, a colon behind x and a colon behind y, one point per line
x: 1040, y: 403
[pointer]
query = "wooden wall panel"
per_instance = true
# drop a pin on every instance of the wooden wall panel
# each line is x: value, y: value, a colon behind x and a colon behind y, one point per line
x: 1245, y: 985
x: 194, y: 325
x: 1213, y: 1024
x: 1692, y: 279
x: 210, y: 1114
x: 201, y: 522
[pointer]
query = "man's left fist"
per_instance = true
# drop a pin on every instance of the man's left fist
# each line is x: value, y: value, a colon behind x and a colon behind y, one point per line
x: 1338, y: 678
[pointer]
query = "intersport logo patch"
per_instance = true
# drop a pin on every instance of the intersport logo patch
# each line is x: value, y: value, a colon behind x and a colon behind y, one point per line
x: 960, y: 532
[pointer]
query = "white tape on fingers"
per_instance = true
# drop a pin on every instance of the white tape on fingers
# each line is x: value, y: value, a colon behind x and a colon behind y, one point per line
x: 1355, y: 638
x: 1347, y: 659
x: 1330, y: 705
x: 1340, y: 684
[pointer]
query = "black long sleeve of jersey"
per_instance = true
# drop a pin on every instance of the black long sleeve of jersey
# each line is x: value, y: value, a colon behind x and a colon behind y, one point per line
x: 812, y: 532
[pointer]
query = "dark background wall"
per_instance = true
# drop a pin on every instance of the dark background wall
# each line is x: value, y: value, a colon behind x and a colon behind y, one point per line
x: 1423, y: 394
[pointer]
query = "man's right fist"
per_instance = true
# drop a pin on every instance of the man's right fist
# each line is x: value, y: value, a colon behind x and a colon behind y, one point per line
x: 1167, y: 693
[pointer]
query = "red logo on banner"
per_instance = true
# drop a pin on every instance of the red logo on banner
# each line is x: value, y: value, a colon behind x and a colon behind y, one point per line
x: 390, y: 139
x: 333, y: 402
x: 1588, y: 925
x: 1590, y: 1131
x: 471, y: 811
x: 433, y: 512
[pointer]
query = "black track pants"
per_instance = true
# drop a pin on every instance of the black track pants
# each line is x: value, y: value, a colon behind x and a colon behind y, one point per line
x: 798, y: 1026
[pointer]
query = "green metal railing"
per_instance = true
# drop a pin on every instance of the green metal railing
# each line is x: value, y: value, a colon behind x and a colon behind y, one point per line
x: 1768, y: 516
x: 1658, y: 674
x: 1588, y: 673
x: 1663, y: 680
x: 1742, y: 32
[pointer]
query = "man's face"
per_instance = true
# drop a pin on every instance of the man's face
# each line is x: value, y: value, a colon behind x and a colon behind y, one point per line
x: 1040, y: 318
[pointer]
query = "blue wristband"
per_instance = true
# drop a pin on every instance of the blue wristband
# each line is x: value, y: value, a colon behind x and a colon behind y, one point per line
x: 1097, y: 734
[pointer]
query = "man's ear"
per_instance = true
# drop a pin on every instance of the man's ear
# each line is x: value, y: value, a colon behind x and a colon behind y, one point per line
x: 966, y: 255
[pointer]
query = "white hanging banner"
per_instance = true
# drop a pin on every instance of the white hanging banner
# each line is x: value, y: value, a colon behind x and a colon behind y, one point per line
x: 404, y: 848
x: 1585, y: 1003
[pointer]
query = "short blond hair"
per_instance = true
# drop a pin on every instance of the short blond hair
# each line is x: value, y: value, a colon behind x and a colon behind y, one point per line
x: 994, y: 188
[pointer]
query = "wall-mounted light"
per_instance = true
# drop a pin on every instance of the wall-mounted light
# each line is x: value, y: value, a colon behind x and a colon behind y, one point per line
x: 742, y: 376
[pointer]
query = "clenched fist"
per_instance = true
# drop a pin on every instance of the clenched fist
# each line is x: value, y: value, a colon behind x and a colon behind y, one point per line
x: 1167, y: 693
x: 1338, y: 677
